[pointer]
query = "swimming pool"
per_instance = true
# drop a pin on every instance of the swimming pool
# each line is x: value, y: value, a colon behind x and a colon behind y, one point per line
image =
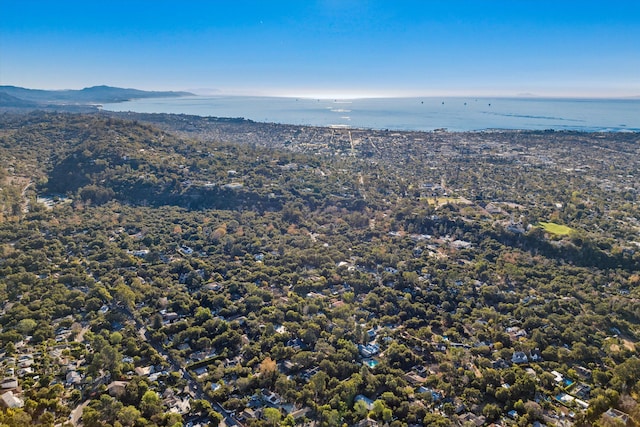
x: 372, y: 363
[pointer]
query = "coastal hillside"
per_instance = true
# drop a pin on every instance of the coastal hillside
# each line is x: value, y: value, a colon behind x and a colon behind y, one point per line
x: 166, y: 270
x: 7, y: 100
x: 19, y: 97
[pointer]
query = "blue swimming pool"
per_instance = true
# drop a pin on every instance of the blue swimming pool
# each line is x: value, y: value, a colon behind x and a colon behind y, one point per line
x: 372, y: 363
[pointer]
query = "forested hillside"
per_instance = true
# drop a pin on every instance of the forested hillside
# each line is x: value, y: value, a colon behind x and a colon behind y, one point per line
x: 272, y: 275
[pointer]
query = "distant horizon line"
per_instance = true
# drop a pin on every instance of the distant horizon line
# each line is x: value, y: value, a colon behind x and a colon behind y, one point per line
x: 205, y: 92
x: 381, y: 95
x: 331, y: 94
x: 339, y: 96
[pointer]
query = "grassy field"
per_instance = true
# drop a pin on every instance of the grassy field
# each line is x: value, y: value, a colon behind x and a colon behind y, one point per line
x: 551, y: 227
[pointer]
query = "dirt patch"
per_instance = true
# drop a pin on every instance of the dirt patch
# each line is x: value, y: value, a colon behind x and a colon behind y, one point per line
x: 629, y: 345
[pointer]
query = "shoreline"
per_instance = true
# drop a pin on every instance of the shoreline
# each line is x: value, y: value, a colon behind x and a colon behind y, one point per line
x: 456, y: 114
x: 159, y: 118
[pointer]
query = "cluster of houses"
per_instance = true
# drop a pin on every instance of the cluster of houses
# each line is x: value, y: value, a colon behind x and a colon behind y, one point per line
x: 520, y: 357
x: 268, y: 399
x: 371, y: 353
x: 21, y: 366
x: 9, y: 389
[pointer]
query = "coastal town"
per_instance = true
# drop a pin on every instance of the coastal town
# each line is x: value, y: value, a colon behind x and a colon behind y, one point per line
x: 329, y: 213
x: 226, y: 272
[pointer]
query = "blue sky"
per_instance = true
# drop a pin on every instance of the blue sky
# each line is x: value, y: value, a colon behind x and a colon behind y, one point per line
x: 326, y: 47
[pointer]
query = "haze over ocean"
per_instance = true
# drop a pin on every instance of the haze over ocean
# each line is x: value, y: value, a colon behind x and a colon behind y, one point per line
x: 420, y: 114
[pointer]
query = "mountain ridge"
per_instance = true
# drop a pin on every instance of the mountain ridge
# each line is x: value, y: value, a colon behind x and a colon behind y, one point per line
x: 7, y: 100
x: 87, y: 96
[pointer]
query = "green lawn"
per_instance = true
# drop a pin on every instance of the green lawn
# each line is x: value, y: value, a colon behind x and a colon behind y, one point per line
x: 551, y: 227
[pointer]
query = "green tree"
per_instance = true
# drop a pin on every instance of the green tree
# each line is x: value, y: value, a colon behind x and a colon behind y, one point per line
x: 272, y: 416
x: 26, y: 326
x: 128, y: 415
x: 360, y: 409
x: 387, y: 414
x: 216, y: 418
x: 150, y: 404
x: 491, y: 411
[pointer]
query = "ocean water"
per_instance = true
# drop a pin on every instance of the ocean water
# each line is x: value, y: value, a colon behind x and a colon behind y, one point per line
x: 425, y: 114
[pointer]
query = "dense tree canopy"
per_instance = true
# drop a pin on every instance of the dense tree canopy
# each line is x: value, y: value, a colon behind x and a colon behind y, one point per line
x: 141, y: 269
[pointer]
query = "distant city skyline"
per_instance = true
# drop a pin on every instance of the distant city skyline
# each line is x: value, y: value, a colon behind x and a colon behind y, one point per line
x: 326, y: 48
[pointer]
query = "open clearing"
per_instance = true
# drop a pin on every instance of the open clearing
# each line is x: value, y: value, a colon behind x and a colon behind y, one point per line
x: 551, y: 227
x: 440, y: 201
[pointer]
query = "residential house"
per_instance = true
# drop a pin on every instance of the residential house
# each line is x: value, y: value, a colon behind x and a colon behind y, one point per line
x: 368, y: 422
x: 25, y: 361
x: 144, y: 371
x: 25, y: 371
x: 214, y: 286
x: 117, y: 388
x: 478, y: 420
x: 230, y: 363
x: 185, y: 250
x: 271, y: 397
x: 289, y: 366
x: 583, y: 372
x: 184, y: 346
x: 436, y: 396
x: 296, y: 344
x: 516, y: 333
x: 441, y: 347
x: 169, y: 317
x: 368, y: 350
x: 9, y: 383
x: 519, y: 357
x: 414, y: 378
x: 558, y: 377
x: 308, y: 373
x: 300, y: 413
x: 535, y: 355
x: 200, y: 371
x: 10, y: 400
x: 617, y: 415
x: 250, y: 413
x: 176, y: 403
x: 582, y: 391
x: 180, y: 406
x: 73, y: 378
x: 362, y: 398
